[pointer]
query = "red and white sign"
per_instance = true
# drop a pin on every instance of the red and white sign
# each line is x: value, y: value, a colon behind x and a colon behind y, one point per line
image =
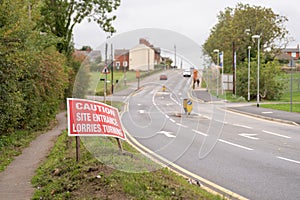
x: 93, y: 118
x: 105, y: 70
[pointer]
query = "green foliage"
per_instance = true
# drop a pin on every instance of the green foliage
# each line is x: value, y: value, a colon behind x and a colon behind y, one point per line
x: 231, y: 31
x: 271, y: 86
x: 32, y: 74
x: 60, y: 17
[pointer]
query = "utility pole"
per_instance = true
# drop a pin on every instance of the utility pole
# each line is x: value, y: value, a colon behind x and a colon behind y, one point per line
x: 233, y: 67
x: 105, y: 81
x: 174, y: 56
x: 112, y: 68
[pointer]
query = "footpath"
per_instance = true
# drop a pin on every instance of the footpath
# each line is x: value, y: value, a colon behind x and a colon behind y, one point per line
x: 15, y: 180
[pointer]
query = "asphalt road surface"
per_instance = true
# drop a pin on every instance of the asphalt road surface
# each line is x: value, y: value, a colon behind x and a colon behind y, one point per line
x: 255, y: 158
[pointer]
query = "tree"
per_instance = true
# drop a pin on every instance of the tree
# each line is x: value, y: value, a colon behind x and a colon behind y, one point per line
x: 271, y: 85
x: 33, y: 74
x: 60, y: 17
x: 236, y: 26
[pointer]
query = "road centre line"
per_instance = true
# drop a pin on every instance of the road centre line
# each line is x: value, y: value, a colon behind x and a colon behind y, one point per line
x: 279, y: 135
x: 290, y: 160
x: 236, y: 145
x: 243, y: 126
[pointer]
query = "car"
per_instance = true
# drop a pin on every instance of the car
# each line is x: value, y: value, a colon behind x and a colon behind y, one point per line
x: 187, y: 73
x: 163, y: 77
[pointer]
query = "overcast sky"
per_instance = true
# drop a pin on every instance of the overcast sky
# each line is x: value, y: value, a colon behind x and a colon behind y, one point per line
x: 192, y: 18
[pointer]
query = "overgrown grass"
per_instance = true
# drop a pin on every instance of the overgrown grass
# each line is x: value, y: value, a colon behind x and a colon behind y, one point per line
x: 61, y: 177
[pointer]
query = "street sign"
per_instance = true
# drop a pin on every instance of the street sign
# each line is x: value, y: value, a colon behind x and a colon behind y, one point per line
x: 105, y: 70
x: 93, y: 118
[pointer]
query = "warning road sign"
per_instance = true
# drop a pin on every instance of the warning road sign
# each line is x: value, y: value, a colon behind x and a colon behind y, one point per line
x: 105, y: 70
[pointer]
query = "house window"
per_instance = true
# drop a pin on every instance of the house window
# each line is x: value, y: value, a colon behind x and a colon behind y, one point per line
x: 125, y: 63
x: 118, y: 65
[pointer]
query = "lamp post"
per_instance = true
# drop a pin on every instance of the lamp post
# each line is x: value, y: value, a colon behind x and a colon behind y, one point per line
x: 217, y: 52
x: 258, y: 61
x: 249, y: 49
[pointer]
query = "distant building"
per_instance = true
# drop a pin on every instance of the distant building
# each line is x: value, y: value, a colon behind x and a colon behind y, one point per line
x: 141, y: 57
x: 292, y: 52
x: 121, y: 60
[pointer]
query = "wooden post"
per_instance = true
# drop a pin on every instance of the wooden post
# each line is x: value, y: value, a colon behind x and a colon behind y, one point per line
x: 119, y: 144
x: 77, y: 148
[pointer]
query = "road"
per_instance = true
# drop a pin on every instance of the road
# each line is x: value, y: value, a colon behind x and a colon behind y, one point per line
x: 255, y: 158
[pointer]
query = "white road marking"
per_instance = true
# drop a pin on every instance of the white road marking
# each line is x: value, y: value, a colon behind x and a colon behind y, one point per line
x: 172, y: 120
x: 290, y: 160
x: 236, y: 145
x: 204, y: 134
x: 166, y: 133
x: 141, y: 111
x: 243, y: 126
x: 279, y: 135
x: 182, y: 125
x: 249, y: 135
x: 267, y: 112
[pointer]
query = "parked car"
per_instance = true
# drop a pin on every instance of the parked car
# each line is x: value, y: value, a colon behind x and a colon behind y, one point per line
x: 187, y: 73
x: 163, y: 77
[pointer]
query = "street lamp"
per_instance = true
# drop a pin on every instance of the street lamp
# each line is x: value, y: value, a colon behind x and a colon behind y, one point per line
x: 217, y: 52
x: 258, y: 61
x: 249, y: 49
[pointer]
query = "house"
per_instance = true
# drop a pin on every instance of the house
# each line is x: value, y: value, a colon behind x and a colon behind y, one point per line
x: 141, y: 57
x: 121, y: 61
x: 292, y: 52
x: 87, y: 55
x: 157, y: 56
x: 144, y: 56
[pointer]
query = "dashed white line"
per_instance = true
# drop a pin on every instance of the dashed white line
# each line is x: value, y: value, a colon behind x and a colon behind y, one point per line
x: 204, y: 134
x: 290, y: 160
x: 249, y: 135
x: 243, y: 126
x: 182, y: 125
x: 279, y: 135
x: 172, y: 120
x: 236, y: 145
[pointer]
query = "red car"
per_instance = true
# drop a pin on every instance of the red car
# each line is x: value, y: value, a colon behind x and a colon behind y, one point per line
x: 163, y: 77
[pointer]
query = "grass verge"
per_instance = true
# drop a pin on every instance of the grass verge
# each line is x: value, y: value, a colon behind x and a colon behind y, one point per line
x: 61, y: 177
x: 284, y: 107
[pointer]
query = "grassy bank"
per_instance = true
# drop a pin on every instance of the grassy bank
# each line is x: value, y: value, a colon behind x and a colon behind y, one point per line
x: 120, y: 80
x: 61, y: 177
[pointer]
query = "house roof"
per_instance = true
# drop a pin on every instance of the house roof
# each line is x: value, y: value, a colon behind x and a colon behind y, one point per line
x: 119, y: 52
x: 294, y: 50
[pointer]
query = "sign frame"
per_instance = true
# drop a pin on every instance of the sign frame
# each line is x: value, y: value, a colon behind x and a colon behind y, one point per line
x: 93, y: 118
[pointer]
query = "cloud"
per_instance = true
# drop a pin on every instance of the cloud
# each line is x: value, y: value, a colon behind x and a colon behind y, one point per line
x: 192, y: 18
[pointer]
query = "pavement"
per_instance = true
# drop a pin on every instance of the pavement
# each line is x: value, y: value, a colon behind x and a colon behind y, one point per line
x: 15, y: 180
x: 250, y: 109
